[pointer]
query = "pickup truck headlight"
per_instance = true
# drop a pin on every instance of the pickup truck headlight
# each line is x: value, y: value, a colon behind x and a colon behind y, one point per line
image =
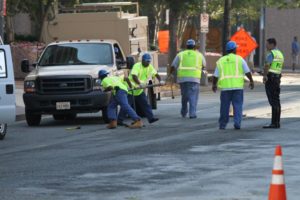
x: 97, y: 84
x: 29, y: 86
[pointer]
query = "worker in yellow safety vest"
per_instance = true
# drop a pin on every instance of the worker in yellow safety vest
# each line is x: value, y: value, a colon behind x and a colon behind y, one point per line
x: 189, y: 65
x: 119, y: 97
x: 272, y: 76
x: 139, y: 75
x: 229, y: 78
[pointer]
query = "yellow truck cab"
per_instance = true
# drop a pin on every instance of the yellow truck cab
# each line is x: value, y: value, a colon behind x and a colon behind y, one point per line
x: 64, y: 81
x: 7, y: 90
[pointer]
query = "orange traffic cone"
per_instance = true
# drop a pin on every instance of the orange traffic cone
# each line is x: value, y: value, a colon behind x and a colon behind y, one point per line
x: 277, y: 187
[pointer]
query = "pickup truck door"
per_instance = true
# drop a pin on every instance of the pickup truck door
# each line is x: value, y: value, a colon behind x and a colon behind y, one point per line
x: 7, y: 86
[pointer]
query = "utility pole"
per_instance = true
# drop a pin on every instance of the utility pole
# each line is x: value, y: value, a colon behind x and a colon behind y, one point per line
x: 204, y: 28
x: 1, y: 20
x: 226, y: 24
x: 262, y: 35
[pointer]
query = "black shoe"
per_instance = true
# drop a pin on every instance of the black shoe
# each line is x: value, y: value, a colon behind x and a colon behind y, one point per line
x: 153, y: 120
x: 120, y: 123
x: 237, y: 127
x: 193, y: 117
x: 272, y: 126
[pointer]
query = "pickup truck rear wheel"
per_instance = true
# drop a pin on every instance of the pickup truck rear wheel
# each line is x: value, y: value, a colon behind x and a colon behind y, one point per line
x: 3, y: 128
x: 32, y: 119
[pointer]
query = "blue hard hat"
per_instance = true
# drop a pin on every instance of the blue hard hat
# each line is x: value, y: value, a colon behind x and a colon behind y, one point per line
x: 230, y: 45
x: 146, y: 57
x: 102, y: 73
x: 190, y: 42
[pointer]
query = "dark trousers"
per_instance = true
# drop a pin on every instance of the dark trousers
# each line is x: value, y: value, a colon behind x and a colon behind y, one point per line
x: 141, y: 102
x: 272, y: 87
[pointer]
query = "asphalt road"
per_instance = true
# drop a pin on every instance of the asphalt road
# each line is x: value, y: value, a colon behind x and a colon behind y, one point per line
x: 172, y: 159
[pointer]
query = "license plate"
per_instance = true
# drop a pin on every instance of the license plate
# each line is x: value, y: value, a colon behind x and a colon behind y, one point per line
x: 63, y: 106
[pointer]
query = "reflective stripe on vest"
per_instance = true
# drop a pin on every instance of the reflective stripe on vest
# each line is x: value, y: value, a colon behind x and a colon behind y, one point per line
x: 190, y: 65
x: 231, y: 74
x: 277, y: 64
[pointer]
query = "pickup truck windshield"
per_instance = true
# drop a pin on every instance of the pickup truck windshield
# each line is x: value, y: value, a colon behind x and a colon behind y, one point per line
x: 77, y: 54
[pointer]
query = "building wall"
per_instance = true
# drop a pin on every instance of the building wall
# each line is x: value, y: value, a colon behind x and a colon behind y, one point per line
x: 283, y: 24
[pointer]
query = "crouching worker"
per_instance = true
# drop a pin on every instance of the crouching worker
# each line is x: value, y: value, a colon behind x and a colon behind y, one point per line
x: 119, y: 97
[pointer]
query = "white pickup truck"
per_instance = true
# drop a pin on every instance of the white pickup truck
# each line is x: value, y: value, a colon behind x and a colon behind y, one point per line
x: 7, y: 90
x: 64, y: 81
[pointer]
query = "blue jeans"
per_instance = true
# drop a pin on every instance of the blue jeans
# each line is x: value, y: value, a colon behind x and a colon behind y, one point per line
x: 120, y: 99
x: 236, y: 97
x: 142, y: 102
x: 189, y: 94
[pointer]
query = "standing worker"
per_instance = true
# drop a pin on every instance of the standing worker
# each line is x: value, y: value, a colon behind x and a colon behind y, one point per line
x: 119, y: 97
x: 272, y: 76
x: 189, y: 65
x: 139, y: 75
x: 229, y: 75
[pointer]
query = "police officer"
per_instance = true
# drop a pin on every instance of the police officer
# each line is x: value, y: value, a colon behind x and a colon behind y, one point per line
x: 139, y: 75
x: 119, y: 97
x: 189, y: 65
x: 229, y: 75
x: 272, y: 76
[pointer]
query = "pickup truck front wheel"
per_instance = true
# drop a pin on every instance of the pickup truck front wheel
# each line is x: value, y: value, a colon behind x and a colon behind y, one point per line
x: 32, y: 119
x: 3, y: 128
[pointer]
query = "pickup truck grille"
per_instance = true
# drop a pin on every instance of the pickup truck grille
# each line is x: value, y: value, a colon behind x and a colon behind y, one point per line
x: 64, y: 84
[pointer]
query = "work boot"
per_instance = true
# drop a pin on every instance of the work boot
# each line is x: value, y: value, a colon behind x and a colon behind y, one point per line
x: 274, y: 123
x: 136, y: 124
x: 153, y: 120
x: 112, y: 124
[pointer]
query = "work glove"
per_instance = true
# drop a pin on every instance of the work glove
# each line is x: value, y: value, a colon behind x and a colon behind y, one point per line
x: 162, y: 82
x: 142, y: 85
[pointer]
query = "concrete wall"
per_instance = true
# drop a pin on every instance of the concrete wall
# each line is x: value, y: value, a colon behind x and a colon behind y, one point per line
x: 283, y: 25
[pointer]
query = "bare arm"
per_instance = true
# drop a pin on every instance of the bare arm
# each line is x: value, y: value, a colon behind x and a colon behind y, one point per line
x: 128, y: 82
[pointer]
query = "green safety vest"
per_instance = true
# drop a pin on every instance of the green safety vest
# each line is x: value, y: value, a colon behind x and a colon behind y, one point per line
x: 114, y: 81
x: 231, y: 73
x: 143, y: 78
x: 277, y: 64
x: 190, y: 65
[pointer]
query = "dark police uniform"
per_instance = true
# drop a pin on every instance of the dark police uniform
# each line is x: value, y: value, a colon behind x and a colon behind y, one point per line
x: 275, y: 59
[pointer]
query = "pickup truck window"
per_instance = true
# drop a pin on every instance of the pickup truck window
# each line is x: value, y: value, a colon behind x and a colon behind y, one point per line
x: 2, y: 65
x: 77, y: 54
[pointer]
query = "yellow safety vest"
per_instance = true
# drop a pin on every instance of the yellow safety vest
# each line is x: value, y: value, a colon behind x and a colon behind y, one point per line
x: 190, y: 65
x: 113, y: 81
x: 231, y: 73
x: 277, y: 64
x: 143, y: 77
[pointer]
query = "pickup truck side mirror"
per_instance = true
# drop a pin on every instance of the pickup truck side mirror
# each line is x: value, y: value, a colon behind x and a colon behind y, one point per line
x: 25, y: 66
x: 130, y: 62
x: 120, y: 64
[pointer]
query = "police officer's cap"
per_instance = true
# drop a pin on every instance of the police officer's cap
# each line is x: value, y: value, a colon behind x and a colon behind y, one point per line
x: 231, y: 45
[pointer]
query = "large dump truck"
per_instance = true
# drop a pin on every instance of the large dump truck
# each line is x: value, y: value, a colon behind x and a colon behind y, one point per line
x: 80, y: 42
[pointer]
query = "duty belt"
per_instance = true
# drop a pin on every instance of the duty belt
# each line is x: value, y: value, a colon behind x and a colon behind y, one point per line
x: 273, y: 75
